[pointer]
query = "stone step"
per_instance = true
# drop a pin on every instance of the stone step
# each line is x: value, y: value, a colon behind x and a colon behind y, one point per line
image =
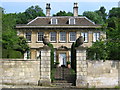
x: 59, y: 81
x: 63, y: 84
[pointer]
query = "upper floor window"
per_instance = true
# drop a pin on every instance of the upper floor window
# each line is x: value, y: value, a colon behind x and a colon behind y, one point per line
x: 96, y: 36
x: 85, y: 36
x: 72, y: 21
x: 40, y: 36
x: 72, y: 36
x: 53, y: 21
x: 62, y: 36
x: 53, y: 36
x: 28, y: 36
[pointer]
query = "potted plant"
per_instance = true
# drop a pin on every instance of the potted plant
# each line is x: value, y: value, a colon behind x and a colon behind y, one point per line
x: 57, y: 63
x: 68, y: 64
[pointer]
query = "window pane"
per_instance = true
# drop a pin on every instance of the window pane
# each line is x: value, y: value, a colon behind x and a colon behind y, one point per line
x: 62, y: 36
x: 85, y: 36
x: 96, y: 36
x: 40, y: 36
x: 28, y: 36
x: 53, y: 21
x: 72, y: 21
x: 53, y: 36
x: 72, y: 36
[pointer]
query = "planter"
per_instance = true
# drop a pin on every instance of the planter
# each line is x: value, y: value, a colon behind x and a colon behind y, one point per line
x: 69, y: 66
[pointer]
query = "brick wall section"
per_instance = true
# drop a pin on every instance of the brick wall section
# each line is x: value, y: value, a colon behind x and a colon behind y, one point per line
x: 20, y: 71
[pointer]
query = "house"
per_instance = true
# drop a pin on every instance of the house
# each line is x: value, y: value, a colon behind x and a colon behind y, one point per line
x: 61, y: 31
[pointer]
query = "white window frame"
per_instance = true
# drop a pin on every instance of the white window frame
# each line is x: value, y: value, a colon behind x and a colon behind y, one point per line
x: 27, y: 55
x: 38, y: 37
x: 72, y: 37
x: 56, y: 22
x: 30, y: 36
x: 70, y: 21
x: 96, y: 36
x: 63, y: 35
x: 85, y: 36
x: 55, y: 36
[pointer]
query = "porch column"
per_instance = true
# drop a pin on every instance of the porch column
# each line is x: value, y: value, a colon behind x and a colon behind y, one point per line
x: 81, y: 67
x: 45, y: 66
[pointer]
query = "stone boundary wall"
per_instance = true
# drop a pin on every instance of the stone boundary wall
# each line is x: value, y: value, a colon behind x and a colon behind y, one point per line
x: 103, y: 74
x: 20, y: 71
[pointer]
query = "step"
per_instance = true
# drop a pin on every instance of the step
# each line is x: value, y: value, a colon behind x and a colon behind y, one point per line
x: 59, y: 81
x: 63, y: 84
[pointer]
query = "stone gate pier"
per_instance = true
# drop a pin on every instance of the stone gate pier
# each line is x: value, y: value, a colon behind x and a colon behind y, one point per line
x: 81, y: 67
x: 45, y: 66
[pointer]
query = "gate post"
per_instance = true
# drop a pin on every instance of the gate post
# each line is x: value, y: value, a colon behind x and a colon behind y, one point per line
x: 45, y: 66
x: 81, y: 67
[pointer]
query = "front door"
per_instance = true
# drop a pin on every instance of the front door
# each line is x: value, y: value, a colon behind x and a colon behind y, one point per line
x: 62, y: 59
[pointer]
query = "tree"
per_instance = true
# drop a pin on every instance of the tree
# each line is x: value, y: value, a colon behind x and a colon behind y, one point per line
x: 98, y: 51
x: 101, y: 12
x: 93, y: 16
x: 63, y: 13
x: 10, y: 41
x: 110, y: 49
x: 114, y: 12
x: 29, y: 14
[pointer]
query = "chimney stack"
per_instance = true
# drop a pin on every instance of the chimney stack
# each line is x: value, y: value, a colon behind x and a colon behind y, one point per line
x: 48, y: 9
x: 75, y: 9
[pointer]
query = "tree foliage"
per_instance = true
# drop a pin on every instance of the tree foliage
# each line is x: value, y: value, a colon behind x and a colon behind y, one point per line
x: 94, y: 17
x: 10, y: 41
x: 63, y: 13
x: 29, y: 14
x: 98, y: 51
x: 110, y: 48
x: 114, y: 12
x: 101, y: 12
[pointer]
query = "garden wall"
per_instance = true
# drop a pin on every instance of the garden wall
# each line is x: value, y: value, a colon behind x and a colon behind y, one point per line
x: 20, y: 71
x: 102, y: 74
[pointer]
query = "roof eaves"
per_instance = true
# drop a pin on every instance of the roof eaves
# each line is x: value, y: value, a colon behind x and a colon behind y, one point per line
x: 58, y: 26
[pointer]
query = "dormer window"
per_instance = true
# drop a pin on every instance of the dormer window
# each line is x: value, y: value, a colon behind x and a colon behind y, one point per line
x: 71, y: 20
x: 53, y: 21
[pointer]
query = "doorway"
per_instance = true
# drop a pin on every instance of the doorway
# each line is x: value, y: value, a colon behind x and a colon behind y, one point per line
x: 62, y: 59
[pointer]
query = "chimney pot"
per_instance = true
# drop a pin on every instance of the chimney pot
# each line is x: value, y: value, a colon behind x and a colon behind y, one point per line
x: 48, y: 9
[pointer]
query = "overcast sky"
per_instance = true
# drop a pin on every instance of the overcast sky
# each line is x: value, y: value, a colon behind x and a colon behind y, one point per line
x: 16, y: 6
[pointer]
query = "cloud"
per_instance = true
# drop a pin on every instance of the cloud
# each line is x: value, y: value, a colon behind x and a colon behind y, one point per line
x: 59, y: 0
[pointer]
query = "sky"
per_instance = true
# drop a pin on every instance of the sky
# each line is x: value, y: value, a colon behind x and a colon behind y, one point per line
x: 16, y: 6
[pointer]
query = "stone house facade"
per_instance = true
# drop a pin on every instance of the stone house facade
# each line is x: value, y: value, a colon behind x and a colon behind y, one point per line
x: 61, y: 31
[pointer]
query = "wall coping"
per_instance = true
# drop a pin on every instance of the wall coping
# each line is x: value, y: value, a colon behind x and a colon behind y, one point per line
x: 19, y: 60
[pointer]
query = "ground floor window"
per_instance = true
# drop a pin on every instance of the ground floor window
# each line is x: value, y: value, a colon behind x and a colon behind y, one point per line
x: 27, y: 55
x: 85, y: 36
x: 96, y: 36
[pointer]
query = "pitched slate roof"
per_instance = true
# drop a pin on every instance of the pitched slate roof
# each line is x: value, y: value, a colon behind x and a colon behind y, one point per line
x: 62, y: 21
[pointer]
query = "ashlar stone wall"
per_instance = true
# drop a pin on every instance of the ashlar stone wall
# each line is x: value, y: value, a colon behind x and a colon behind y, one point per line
x: 81, y: 67
x: 103, y: 74
x: 96, y: 74
x: 45, y: 67
x: 20, y: 71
